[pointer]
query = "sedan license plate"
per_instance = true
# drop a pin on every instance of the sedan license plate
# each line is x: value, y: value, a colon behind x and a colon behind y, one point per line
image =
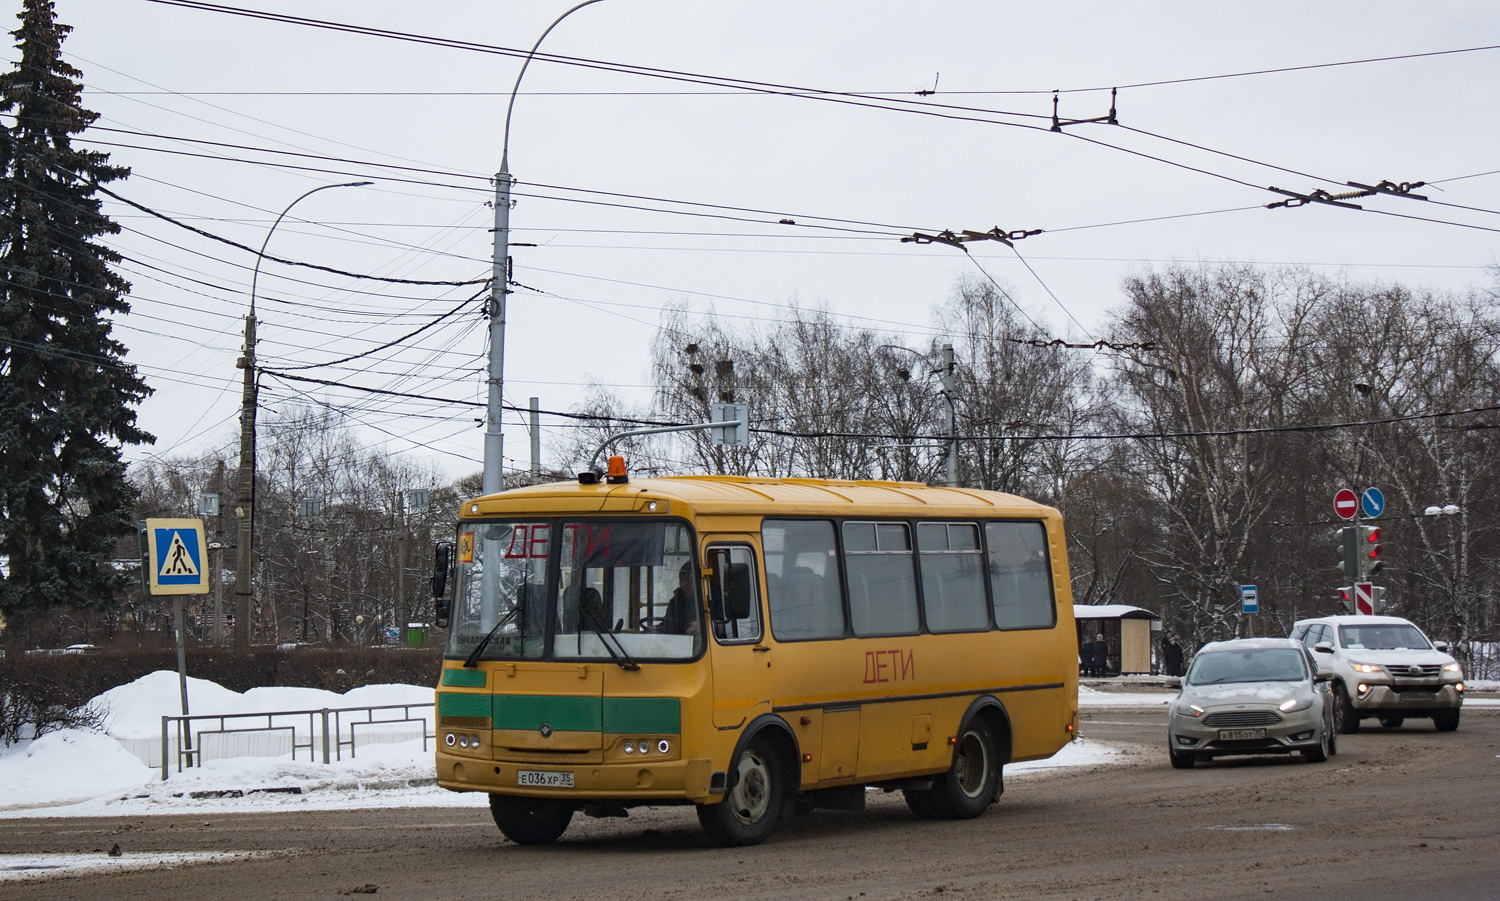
x: 1241, y: 734
x: 544, y: 779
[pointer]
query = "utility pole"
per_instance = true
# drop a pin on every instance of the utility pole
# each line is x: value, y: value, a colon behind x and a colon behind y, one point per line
x: 536, y: 440
x: 952, y: 423
x: 401, y: 569
x: 245, y: 501
x: 217, y: 560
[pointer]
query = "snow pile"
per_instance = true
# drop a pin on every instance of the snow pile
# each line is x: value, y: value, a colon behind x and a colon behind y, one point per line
x: 66, y: 766
x: 1079, y: 752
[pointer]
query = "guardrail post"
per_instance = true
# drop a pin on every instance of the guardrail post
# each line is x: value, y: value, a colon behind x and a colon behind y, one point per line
x: 325, y: 735
x: 164, y: 748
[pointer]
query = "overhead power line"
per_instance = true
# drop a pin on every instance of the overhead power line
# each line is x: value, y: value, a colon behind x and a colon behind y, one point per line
x: 321, y: 268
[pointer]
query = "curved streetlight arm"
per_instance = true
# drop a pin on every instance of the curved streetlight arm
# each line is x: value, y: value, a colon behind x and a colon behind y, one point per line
x: 505, y: 146
x: 255, y: 277
x: 594, y: 460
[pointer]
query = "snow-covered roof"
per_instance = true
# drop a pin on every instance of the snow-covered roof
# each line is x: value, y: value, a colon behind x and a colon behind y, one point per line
x: 1111, y: 611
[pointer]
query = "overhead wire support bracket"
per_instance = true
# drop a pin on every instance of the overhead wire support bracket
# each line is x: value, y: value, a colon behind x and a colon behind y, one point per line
x: 967, y: 236
x: 1404, y: 189
x: 1318, y: 196
x: 1109, y: 119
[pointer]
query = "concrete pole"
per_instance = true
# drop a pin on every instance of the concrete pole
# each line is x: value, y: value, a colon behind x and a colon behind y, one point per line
x: 536, y: 440
x: 952, y: 418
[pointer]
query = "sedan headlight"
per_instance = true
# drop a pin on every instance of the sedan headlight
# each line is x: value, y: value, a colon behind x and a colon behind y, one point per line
x: 1192, y: 710
x: 1291, y: 705
x: 1364, y: 667
x: 1454, y: 668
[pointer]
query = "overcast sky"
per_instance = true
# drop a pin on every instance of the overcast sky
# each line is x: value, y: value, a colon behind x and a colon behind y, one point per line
x: 161, y: 75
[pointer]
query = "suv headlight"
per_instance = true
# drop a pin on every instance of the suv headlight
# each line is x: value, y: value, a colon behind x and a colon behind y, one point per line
x: 1291, y: 705
x: 1365, y: 668
x: 1454, y: 668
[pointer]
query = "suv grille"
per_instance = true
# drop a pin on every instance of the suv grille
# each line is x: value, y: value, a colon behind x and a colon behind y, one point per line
x: 1425, y: 670
x: 1242, y: 718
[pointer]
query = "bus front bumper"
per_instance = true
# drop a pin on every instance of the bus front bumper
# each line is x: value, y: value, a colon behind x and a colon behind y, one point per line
x: 657, y: 780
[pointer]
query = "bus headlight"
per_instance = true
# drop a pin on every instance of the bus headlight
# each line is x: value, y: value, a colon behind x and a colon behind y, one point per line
x: 449, y: 739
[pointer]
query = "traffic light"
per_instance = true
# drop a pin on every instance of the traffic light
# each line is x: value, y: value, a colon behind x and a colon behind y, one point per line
x: 1370, y: 550
x: 1346, y: 596
x: 1350, y: 562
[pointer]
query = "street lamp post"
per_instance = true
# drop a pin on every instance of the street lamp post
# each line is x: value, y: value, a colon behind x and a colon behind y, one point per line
x: 494, y: 439
x: 245, y: 509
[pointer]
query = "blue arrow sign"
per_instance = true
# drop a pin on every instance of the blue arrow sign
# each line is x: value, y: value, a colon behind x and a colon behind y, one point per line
x: 1372, y: 502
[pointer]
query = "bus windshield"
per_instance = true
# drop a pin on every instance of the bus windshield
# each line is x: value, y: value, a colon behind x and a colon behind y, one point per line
x: 596, y: 590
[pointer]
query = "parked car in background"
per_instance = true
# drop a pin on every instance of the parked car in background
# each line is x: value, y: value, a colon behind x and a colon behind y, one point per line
x: 1251, y: 696
x: 1384, y: 667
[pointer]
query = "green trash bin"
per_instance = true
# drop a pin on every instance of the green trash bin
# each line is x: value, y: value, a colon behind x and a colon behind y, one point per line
x: 416, y: 635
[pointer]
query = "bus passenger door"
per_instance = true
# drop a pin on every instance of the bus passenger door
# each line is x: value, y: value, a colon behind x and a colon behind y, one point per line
x: 741, y: 657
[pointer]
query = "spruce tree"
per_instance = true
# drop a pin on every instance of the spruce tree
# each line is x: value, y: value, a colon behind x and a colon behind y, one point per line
x: 67, y: 396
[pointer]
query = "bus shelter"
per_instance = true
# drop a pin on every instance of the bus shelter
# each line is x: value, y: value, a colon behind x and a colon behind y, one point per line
x: 1126, y: 629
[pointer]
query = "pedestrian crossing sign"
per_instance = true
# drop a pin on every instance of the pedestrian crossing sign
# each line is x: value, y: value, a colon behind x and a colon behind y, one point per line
x: 174, y: 556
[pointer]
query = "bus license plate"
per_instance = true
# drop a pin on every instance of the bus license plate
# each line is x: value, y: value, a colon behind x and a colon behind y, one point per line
x: 542, y: 779
x: 1241, y: 734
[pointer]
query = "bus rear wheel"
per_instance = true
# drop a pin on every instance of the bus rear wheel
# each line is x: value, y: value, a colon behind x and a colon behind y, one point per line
x: 749, y: 810
x: 969, y: 785
x: 531, y: 821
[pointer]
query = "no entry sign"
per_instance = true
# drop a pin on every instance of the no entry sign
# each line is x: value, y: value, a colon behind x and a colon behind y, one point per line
x: 1345, y: 504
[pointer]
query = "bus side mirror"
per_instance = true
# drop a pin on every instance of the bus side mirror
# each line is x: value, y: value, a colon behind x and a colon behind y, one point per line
x: 442, y: 563
x: 737, y: 592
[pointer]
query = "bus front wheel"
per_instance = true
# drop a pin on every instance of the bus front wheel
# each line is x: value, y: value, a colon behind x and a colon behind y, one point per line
x: 531, y: 821
x: 969, y: 785
x: 749, y: 810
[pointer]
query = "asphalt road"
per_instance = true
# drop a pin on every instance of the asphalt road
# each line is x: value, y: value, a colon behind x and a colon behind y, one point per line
x: 1408, y: 813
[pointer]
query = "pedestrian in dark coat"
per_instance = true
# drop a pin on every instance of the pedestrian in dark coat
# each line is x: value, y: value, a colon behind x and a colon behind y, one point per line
x: 1171, y: 656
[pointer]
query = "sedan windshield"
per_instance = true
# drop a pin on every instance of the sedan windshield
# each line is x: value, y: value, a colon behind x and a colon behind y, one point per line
x: 1385, y: 637
x: 1251, y: 665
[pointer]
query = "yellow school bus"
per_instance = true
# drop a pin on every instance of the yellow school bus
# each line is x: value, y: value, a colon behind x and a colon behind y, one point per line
x: 752, y: 646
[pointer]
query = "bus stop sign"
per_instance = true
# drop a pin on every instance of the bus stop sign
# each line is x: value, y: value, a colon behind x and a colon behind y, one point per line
x: 1249, y: 599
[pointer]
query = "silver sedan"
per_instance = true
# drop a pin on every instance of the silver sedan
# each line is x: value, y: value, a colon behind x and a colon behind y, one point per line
x: 1251, y: 696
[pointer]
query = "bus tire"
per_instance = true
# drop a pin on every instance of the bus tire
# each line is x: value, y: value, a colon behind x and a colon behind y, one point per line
x: 750, y: 808
x: 531, y: 821
x: 920, y: 803
x: 969, y: 785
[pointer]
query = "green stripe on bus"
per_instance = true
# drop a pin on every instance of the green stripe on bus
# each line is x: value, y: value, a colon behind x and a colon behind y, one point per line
x: 464, y: 678
x: 649, y: 715
x: 564, y: 713
x: 454, y: 704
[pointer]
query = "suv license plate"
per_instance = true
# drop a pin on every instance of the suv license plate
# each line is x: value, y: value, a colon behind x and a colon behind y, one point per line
x: 543, y: 779
x: 1416, y: 695
x: 1241, y: 734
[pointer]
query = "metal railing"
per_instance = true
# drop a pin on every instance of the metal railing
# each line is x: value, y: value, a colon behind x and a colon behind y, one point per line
x: 318, y: 730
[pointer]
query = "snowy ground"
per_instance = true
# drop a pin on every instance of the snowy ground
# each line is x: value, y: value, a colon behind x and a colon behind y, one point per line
x: 75, y: 773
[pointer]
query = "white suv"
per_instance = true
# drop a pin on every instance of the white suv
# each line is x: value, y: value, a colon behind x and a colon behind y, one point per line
x: 1384, y: 667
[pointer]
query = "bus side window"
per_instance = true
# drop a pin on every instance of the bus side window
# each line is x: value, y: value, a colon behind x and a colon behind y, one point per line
x: 952, y: 577
x: 882, y: 580
x: 803, y: 591
x: 747, y: 628
x: 1020, y: 575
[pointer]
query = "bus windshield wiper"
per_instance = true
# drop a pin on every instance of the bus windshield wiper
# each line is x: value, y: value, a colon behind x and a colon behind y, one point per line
x: 473, y: 659
x: 621, y: 657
